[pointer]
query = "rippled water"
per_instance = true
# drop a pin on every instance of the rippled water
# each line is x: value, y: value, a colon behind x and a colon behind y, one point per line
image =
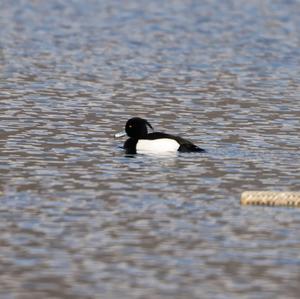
x: 78, y: 218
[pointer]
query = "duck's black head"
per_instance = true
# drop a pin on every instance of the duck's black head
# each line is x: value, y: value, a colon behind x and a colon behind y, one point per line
x: 136, y: 127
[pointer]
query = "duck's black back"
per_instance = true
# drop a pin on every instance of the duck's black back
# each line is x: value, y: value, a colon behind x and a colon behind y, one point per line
x: 184, y: 144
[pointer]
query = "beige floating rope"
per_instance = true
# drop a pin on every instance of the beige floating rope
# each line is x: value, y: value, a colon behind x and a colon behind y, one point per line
x: 270, y: 198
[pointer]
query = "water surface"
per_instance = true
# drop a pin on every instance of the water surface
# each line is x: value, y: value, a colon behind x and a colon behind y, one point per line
x: 78, y: 218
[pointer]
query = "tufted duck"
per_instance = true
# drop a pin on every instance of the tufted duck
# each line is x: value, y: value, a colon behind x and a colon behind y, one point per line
x: 140, y: 141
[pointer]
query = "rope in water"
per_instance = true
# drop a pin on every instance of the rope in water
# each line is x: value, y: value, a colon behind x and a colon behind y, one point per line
x: 270, y: 198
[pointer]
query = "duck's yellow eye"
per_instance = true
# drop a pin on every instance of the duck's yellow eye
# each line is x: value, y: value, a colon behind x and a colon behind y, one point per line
x: 130, y: 126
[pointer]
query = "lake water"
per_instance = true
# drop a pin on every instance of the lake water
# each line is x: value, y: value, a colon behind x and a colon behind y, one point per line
x: 78, y: 218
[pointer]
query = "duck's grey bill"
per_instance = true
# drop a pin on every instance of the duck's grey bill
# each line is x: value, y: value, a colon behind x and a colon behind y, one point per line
x: 120, y: 134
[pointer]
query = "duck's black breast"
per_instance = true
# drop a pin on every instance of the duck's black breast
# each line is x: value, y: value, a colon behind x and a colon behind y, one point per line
x: 130, y: 146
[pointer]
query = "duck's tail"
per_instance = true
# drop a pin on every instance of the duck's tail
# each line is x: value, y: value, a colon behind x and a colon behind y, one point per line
x: 187, y: 148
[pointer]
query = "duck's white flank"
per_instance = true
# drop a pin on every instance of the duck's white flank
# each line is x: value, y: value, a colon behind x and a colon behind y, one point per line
x: 161, y: 145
